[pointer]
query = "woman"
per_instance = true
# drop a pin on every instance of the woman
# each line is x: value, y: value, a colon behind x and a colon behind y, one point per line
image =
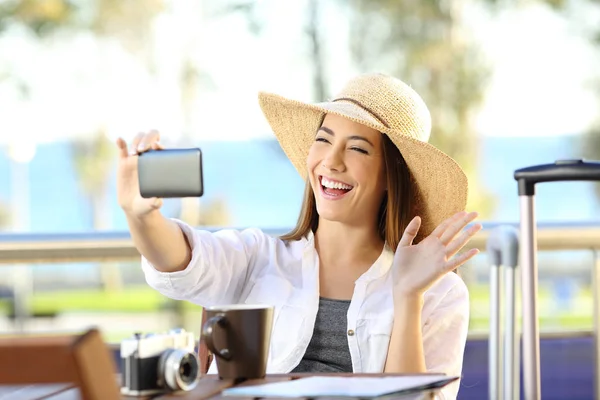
x: 364, y: 282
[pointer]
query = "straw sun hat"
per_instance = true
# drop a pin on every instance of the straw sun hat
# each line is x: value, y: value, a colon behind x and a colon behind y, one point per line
x: 393, y: 108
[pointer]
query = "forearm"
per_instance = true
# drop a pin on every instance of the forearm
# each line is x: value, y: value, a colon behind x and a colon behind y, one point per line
x: 405, y: 351
x: 160, y: 241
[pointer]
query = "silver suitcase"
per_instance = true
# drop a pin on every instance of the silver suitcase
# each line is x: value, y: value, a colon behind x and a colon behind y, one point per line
x: 503, y: 246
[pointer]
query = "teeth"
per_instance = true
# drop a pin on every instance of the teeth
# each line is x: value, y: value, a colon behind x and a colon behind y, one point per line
x: 334, y: 185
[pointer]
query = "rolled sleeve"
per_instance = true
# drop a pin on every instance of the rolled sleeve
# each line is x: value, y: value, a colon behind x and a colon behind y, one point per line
x: 445, y: 335
x: 222, y: 263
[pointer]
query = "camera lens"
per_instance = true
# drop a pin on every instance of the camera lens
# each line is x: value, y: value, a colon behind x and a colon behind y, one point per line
x: 188, y: 369
x: 180, y: 370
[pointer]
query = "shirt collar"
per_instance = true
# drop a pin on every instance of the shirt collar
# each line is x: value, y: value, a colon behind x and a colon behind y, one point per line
x: 380, y: 267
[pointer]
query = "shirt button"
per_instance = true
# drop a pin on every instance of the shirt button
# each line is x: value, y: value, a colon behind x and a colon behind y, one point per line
x: 350, y: 332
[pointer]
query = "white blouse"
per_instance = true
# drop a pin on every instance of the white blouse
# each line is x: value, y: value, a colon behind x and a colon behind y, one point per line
x: 249, y: 266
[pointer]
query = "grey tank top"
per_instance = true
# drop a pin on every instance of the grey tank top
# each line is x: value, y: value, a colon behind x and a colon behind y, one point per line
x: 328, y: 349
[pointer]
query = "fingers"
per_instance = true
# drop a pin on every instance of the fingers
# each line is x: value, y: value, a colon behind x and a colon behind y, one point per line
x: 122, y: 145
x: 441, y: 228
x: 456, y: 226
x: 461, y: 259
x: 456, y: 245
x: 134, y: 144
x: 143, y: 142
x: 147, y: 141
x: 411, y: 231
x: 157, y: 146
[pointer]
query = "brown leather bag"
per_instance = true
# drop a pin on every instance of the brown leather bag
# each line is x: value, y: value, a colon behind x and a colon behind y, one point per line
x: 204, y: 355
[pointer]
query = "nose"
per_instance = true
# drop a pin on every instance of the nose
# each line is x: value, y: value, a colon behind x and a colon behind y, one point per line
x: 334, y: 160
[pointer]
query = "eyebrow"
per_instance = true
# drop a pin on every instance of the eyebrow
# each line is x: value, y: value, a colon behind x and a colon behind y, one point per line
x: 353, y: 137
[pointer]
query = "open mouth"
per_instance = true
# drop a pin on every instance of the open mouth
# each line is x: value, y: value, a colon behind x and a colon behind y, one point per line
x: 334, y: 188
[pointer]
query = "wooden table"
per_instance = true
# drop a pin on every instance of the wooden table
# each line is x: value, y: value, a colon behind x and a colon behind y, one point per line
x: 209, y: 387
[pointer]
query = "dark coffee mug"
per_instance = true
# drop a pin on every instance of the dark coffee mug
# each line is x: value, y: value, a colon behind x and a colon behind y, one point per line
x: 239, y: 336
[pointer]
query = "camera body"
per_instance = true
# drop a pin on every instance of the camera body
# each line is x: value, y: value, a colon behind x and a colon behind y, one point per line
x: 159, y: 363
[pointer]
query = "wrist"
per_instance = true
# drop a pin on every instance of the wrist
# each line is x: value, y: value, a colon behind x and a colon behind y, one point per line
x: 407, y: 312
x: 143, y: 219
x: 408, y: 299
x: 407, y: 293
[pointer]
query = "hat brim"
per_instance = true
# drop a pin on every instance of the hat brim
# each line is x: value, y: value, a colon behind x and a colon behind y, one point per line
x: 440, y: 184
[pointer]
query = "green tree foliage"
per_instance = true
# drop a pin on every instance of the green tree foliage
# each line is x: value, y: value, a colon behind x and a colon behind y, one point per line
x: 93, y: 159
x: 126, y: 20
x: 590, y: 141
x: 425, y: 44
x: 42, y: 17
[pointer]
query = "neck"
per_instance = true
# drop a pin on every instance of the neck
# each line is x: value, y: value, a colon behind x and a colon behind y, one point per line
x: 341, y: 245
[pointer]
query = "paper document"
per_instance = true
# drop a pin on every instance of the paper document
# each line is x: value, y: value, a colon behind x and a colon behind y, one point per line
x: 343, y: 386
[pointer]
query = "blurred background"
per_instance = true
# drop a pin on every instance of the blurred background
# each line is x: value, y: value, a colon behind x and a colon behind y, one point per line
x: 509, y: 84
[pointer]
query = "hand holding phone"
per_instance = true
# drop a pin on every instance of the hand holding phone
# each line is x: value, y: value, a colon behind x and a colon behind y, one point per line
x: 156, y: 172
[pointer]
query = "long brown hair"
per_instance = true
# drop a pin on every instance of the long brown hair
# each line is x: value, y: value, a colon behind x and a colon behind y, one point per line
x: 396, y: 209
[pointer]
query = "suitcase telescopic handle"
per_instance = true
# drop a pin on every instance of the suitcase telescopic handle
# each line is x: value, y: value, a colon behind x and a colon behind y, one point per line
x: 503, y: 246
x: 503, y: 363
x: 561, y: 170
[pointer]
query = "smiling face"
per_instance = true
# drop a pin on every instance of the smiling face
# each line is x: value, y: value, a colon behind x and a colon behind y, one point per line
x: 347, y: 171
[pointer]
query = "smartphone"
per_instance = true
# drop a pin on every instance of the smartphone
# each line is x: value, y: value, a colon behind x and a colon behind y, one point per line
x: 171, y: 173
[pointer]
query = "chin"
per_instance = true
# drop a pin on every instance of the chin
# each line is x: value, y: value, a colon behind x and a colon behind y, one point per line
x: 331, y: 214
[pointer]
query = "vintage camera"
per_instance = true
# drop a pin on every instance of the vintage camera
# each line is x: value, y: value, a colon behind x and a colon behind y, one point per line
x: 159, y: 363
